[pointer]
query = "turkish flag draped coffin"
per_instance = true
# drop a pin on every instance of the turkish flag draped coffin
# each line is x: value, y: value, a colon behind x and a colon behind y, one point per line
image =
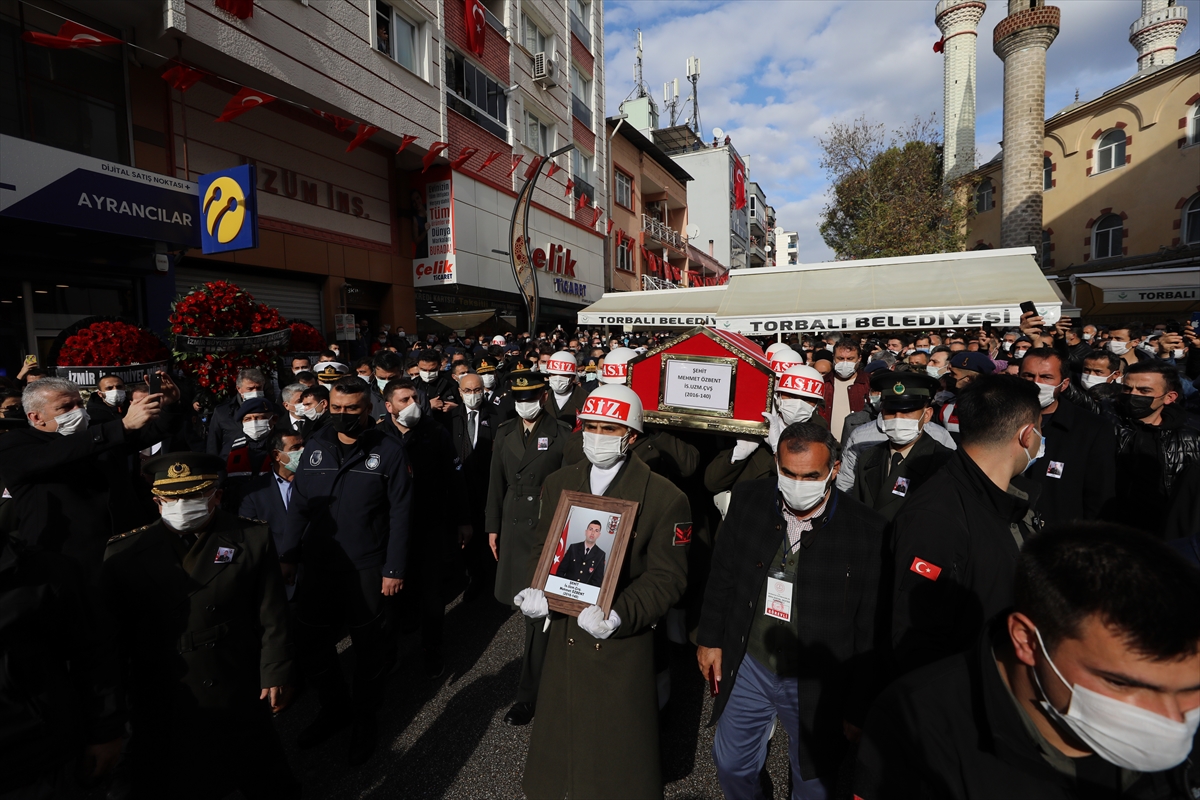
x: 705, y: 379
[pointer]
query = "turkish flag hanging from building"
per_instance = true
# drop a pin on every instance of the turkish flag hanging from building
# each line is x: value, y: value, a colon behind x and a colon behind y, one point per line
x: 340, y: 123
x: 476, y: 22
x: 487, y: 162
x: 434, y: 149
x: 70, y: 35
x: 364, y: 132
x: 464, y: 156
x: 533, y: 167
x: 739, y: 183
x: 243, y: 101
x: 405, y: 141
x: 242, y: 9
x: 516, y: 163
x: 182, y: 77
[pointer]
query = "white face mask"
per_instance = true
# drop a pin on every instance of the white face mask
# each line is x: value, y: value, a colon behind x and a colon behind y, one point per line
x: 256, y: 428
x: 427, y: 375
x: 604, y: 451
x: 473, y: 401
x: 1041, y: 452
x: 590, y: 376
x: 559, y: 384
x: 1046, y: 393
x: 187, y: 513
x: 365, y: 379
x: 1087, y: 337
x: 114, y: 397
x: 409, y: 416
x: 845, y: 369
x: 381, y: 383
x: 1121, y: 733
x: 900, y: 431
x: 73, y: 420
x: 793, y: 409
x: 293, y: 461
x: 253, y: 394
x: 488, y: 381
x: 529, y: 410
x: 935, y: 372
x: 1178, y: 354
x: 1118, y: 348
x: 1093, y: 380
x: 802, y: 495
x: 302, y: 411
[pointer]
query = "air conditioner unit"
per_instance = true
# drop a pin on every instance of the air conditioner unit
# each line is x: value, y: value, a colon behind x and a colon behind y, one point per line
x: 545, y: 71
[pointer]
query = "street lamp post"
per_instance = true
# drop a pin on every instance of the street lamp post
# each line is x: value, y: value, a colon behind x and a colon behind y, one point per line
x: 611, y: 170
x: 518, y: 251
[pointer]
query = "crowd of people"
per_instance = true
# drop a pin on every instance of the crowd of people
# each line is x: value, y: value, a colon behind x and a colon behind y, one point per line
x: 958, y: 563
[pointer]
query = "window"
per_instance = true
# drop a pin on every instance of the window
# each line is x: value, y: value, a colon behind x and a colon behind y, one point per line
x: 537, y: 134
x: 624, y: 190
x: 625, y: 256
x: 1191, y: 221
x: 581, y: 17
x: 396, y: 37
x: 1194, y: 125
x: 581, y: 97
x: 753, y: 206
x: 985, y: 197
x: 470, y: 92
x: 1047, y: 174
x: 581, y: 165
x: 532, y: 38
x: 1111, y: 152
x: 1107, y: 237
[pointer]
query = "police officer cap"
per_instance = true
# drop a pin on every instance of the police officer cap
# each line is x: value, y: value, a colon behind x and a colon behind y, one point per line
x: 330, y: 372
x: 259, y: 405
x: 904, y: 391
x: 525, y: 383
x: 174, y: 474
x: 485, y: 365
x: 972, y: 362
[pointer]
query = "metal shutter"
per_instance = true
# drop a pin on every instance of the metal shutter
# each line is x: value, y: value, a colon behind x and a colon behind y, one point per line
x: 295, y: 299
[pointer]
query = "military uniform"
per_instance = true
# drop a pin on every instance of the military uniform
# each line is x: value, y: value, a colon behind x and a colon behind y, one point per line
x: 582, y: 565
x: 608, y: 747
x: 569, y: 409
x: 202, y: 628
x: 661, y: 450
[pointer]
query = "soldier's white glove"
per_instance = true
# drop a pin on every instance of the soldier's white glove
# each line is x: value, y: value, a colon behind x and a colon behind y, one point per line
x: 532, y: 603
x: 776, y: 430
x: 742, y: 449
x: 592, y: 620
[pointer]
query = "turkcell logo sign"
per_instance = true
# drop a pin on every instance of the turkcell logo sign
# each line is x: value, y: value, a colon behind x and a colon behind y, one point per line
x: 45, y: 184
x: 228, y: 211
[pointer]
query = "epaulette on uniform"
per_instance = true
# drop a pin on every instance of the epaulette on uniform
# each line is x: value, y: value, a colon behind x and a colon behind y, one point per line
x: 127, y: 534
x: 253, y: 520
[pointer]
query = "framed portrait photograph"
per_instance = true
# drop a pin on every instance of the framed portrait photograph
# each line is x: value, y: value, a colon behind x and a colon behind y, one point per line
x: 582, y: 557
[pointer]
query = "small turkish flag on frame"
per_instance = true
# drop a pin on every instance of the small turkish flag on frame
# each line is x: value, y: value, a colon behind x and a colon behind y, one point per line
x: 925, y: 569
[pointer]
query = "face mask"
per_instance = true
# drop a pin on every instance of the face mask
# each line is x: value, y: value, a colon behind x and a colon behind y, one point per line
x: 473, y: 401
x: 488, y: 381
x: 365, y: 379
x: 381, y: 383
x: 306, y: 412
x: 1118, y: 348
x: 793, y: 409
x: 590, y: 376
x: 604, y: 451
x: 74, y: 420
x: 256, y: 428
x: 382, y: 340
x: 1041, y: 452
x: 528, y: 411
x: 845, y: 369
x: 873, y: 401
x: 427, y: 375
x: 114, y: 397
x: 1087, y: 337
x: 1178, y: 354
x: 1137, y: 406
x: 187, y: 513
x: 252, y: 395
x: 1046, y: 394
x: 559, y: 384
x: 409, y: 416
x: 349, y: 424
x: 1093, y: 380
x: 293, y: 460
x: 900, y: 431
x: 1121, y: 733
x: 935, y: 372
x: 802, y: 495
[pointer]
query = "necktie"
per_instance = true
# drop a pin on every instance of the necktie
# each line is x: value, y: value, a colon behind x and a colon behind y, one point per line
x: 471, y: 415
x: 896, y: 459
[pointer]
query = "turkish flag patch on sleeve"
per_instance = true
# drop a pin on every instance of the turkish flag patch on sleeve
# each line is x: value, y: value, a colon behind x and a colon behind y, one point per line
x: 925, y: 569
x: 683, y: 533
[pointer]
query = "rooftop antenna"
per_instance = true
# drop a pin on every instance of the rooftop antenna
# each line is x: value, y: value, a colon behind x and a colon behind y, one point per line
x: 671, y: 100
x: 639, y: 85
x: 693, y: 75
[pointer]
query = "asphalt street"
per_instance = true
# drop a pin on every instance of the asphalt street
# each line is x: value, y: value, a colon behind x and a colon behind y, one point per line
x: 445, y: 738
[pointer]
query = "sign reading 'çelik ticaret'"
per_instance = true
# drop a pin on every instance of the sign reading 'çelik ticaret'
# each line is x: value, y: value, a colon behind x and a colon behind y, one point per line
x: 1021, y: 40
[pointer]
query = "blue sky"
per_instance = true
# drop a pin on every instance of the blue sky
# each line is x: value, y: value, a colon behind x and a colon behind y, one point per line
x: 776, y: 73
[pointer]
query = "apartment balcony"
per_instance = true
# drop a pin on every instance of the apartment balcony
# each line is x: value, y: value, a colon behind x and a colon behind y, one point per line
x: 662, y: 233
x: 583, y: 187
x: 581, y: 112
x: 580, y: 29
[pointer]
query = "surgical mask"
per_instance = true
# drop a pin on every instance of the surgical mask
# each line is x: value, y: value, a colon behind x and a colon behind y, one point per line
x: 528, y: 411
x: 900, y: 431
x: 1041, y: 452
x: 845, y: 369
x: 256, y: 428
x: 382, y: 340
x: 186, y: 513
x: 365, y: 379
x: 1087, y: 337
x: 488, y: 381
x: 429, y: 376
x: 73, y: 420
x: 590, y: 376
x: 381, y: 383
x: 473, y: 401
x: 409, y: 416
x: 793, y: 409
x: 1093, y: 380
x: 114, y: 397
x: 252, y: 395
x: 293, y: 460
x: 1137, y: 406
x: 559, y: 384
x: 872, y: 402
x: 349, y: 424
x: 308, y: 412
x: 1178, y: 354
x: 1118, y: 348
x: 802, y: 495
x: 1046, y: 393
x: 604, y: 451
x: 1121, y: 733
x: 935, y: 372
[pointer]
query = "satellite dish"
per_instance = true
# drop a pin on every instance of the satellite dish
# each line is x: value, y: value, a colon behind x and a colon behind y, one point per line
x: 767, y: 248
x: 693, y: 231
x: 779, y: 231
x: 718, y: 133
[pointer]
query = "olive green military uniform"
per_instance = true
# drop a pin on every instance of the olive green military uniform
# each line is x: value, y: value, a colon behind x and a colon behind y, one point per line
x: 598, y: 737
x: 202, y: 630
x: 662, y: 451
x: 570, y: 409
x: 723, y: 473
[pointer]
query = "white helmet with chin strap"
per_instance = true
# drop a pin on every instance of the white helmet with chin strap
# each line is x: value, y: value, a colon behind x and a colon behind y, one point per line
x: 613, y: 403
x: 561, y: 363
x: 784, y: 359
x: 774, y: 346
x: 802, y: 381
x: 615, y: 366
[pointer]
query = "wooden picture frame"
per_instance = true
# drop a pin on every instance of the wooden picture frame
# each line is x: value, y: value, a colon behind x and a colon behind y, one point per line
x: 569, y: 528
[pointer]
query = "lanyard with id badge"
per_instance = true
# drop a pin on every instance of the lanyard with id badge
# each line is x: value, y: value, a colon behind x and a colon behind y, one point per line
x: 781, y: 584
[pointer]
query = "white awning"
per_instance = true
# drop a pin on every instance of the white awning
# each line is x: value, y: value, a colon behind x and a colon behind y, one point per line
x: 1181, y: 284
x: 929, y: 291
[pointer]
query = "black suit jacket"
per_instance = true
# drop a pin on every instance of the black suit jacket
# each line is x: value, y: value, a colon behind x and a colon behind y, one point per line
x: 836, y: 587
x: 926, y: 457
x: 262, y: 501
x: 582, y: 568
x: 1082, y: 451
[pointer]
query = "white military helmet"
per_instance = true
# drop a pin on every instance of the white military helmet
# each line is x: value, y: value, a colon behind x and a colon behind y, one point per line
x: 615, y: 365
x: 561, y: 363
x: 784, y: 359
x: 613, y: 403
x: 499, y: 339
x: 802, y: 381
x: 770, y: 351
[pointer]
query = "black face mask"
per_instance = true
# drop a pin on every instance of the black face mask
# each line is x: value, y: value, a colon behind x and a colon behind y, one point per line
x: 1137, y: 406
x: 348, y: 424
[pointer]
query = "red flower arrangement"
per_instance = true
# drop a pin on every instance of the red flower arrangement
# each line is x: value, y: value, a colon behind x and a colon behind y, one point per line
x: 220, y: 308
x: 306, y: 338
x: 111, y: 344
